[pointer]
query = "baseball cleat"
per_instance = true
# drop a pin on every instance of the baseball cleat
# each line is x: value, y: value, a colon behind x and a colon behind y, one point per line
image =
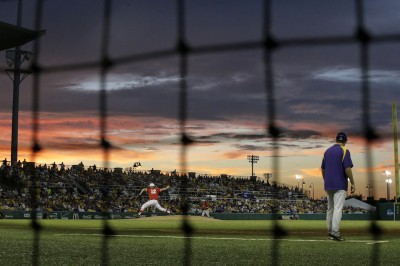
x: 337, y: 238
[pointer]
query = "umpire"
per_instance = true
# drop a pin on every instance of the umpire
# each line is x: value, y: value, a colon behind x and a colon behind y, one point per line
x: 336, y: 170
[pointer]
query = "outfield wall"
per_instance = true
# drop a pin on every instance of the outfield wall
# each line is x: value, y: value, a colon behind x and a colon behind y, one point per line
x: 68, y: 215
x: 385, y: 211
x: 307, y: 216
x: 130, y: 215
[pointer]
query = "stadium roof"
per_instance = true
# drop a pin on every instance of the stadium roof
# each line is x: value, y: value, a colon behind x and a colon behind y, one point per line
x: 360, y: 204
x: 12, y: 36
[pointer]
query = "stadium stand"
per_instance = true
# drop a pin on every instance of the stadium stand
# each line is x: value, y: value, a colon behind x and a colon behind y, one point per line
x: 76, y: 188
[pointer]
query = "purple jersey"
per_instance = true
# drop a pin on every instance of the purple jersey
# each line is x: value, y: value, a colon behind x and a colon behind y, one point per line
x: 336, y: 160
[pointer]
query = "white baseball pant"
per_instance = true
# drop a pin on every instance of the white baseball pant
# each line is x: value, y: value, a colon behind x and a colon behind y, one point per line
x: 151, y: 203
x: 336, y: 200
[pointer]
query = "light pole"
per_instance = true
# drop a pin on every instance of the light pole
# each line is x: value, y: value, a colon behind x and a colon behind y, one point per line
x: 388, y: 182
x: 15, y: 58
x: 369, y: 188
x: 252, y: 159
x: 312, y: 186
x: 298, y: 177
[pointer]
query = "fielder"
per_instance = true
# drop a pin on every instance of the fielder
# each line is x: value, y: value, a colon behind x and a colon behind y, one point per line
x: 205, y: 208
x: 153, y: 192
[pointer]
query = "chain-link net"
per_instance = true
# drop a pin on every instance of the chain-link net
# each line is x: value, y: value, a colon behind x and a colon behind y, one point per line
x: 269, y: 45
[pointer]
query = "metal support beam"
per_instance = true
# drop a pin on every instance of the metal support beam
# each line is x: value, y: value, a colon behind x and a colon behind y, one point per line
x: 396, y: 153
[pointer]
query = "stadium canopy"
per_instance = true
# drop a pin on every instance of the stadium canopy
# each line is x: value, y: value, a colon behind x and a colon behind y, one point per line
x: 352, y: 202
x: 12, y: 36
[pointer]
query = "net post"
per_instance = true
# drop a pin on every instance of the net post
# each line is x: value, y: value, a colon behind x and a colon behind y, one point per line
x: 396, y: 151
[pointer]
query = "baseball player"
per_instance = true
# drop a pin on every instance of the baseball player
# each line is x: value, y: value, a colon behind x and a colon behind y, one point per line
x: 336, y: 171
x: 153, y: 192
x: 205, y: 208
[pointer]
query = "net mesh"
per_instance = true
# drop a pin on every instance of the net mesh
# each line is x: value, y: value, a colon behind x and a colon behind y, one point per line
x: 361, y: 37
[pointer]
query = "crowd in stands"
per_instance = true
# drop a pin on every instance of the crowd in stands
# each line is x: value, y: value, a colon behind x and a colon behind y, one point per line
x: 56, y: 187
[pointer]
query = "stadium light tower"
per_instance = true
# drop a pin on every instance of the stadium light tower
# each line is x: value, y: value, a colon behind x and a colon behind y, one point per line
x: 14, y: 59
x: 298, y: 177
x: 369, y: 188
x: 312, y: 186
x: 252, y: 159
x: 388, y: 182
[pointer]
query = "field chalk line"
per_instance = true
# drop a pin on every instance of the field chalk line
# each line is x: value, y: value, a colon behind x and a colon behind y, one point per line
x: 368, y: 242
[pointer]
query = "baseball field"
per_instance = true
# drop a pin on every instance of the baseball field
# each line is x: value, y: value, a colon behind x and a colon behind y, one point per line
x: 161, y: 241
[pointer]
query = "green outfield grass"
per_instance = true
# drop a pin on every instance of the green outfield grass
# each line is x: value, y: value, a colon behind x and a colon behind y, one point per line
x: 160, y: 241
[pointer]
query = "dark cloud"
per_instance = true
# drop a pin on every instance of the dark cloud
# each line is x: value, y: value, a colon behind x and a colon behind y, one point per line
x: 285, y: 135
x: 300, y: 134
x: 268, y: 146
x: 252, y: 147
x: 314, y: 85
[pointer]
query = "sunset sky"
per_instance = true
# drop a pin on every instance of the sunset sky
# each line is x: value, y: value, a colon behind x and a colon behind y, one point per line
x: 317, y: 88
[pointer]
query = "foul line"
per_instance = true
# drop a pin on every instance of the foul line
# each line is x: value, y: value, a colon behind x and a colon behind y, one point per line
x: 368, y: 242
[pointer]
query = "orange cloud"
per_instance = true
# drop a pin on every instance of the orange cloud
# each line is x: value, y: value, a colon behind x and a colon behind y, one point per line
x: 380, y: 168
x: 312, y: 172
x: 234, y: 154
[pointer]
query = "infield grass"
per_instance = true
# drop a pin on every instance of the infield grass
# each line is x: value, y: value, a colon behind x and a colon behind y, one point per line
x: 160, y: 241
